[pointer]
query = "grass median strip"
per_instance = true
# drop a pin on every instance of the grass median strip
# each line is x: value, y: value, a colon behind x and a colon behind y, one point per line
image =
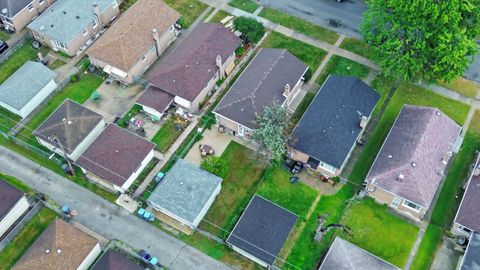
x: 426, y: 251
x: 245, y: 5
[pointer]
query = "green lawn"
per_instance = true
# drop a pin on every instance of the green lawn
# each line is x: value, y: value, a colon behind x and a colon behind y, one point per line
x: 189, y: 9
x: 379, y: 231
x: 426, y: 250
x: 299, y: 25
x: 4, y: 36
x: 128, y: 115
x: 220, y: 15
x: 246, y: 5
x: 406, y: 93
x: 463, y: 86
x: 343, y: 67
x: 168, y: 133
x: 16, y: 183
x: 241, y: 183
x: 357, y: 46
x: 8, y: 120
x: 56, y: 64
x: 310, y: 55
x: 306, y: 251
x: 276, y: 187
x: 19, y: 245
x: 17, y: 59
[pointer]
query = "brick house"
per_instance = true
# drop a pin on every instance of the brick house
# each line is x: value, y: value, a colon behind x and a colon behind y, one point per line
x: 16, y: 14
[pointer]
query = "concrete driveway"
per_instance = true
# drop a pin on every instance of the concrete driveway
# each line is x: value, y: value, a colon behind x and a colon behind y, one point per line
x: 447, y: 256
x: 473, y: 73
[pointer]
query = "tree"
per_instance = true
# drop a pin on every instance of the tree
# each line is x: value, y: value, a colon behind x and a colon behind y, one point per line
x: 216, y: 166
x: 271, y: 132
x: 423, y: 39
x: 252, y: 29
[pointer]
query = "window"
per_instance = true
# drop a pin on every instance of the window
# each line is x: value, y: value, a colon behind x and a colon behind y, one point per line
x: 467, y: 230
x: 411, y: 205
x: 327, y: 167
x: 41, y: 1
x: 30, y: 7
x: 94, y: 24
x: 61, y: 44
x: 85, y: 32
x: 396, y: 202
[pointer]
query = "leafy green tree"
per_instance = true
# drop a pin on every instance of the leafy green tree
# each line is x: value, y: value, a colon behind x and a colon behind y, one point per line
x: 423, y: 39
x: 271, y: 132
x: 215, y: 165
x: 252, y: 29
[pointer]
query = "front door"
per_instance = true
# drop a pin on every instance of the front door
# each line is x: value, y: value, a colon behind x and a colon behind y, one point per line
x: 241, y: 130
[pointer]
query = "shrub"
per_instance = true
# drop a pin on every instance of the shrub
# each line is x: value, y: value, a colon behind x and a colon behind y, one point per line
x: 240, y: 51
x: 216, y: 166
x: 251, y: 29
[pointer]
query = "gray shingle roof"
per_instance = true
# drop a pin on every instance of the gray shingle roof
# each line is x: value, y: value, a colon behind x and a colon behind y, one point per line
x: 71, y: 123
x: 262, y: 229
x: 65, y: 19
x: 25, y: 83
x: 113, y: 260
x: 471, y: 259
x: 9, y: 196
x: 261, y: 84
x: 344, y: 255
x: 185, y: 190
x: 415, y: 147
x: 13, y: 6
x: 330, y: 126
x: 468, y: 213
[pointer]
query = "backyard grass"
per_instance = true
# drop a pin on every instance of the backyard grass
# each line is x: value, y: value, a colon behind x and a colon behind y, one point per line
x: 343, y: 67
x: 297, y: 24
x: 357, y: 46
x: 245, y: 5
x: 168, y: 133
x: 8, y: 120
x: 428, y: 247
x: 25, y: 238
x: 220, y: 15
x: 379, y: 232
x: 18, y: 58
x: 306, y: 251
x: 463, y: 86
x: 189, y: 9
x: 310, y: 55
x: 56, y: 64
x: 406, y: 93
x: 241, y: 183
x: 277, y: 188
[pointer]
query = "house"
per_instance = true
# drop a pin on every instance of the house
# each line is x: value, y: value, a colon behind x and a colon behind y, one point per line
x: 273, y: 77
x: 344, y: 255
x: 116, y: 158
x: 60, y: 246
x: 467, y: 219
x: 70, y: 129
x: 16, y: 14
x: 261, y: 231
x: 70, y: 26
x: 191, y: 70
x: 13, y: 204
x: 471, y: 259
x: 332, y: 125
x: 135, y: 40
x: 155, y: 101
x: 29, y: 86
x: 113, y: 260
x: 184, y: 196
x: 412, y: 161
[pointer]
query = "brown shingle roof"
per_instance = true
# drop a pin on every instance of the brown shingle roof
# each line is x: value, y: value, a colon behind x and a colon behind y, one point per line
x: 155, y: 98
x: 71, y: 122
x: 9, y: 196
x: 115, y: 154
x: 66, y: 245
x: 113, y: 260
x: 130, y: 37
x: 415, y: 148
x: 468, y: 213
x: 191, y: 65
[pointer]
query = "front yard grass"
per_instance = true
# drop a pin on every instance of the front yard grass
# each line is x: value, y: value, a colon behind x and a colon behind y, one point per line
x: 219, y: 16
x: 428, y: 247
x: 25, y: 238
x: 310, y: 55
x: 297, y: 24
x: 16, y: 183
x: 343, y: 67
x: 245, y: 5
x: 168, y: 133
x: 463, y: 86
x: 189, y: 9
x: 18, y: 58
x: 380, y: 232
x: 357, y: 46
x: 241, y: 183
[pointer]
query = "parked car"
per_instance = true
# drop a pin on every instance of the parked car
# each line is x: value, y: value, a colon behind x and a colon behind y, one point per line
x: 3, y: 46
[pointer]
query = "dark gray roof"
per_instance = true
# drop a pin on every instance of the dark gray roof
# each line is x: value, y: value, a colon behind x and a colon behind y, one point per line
x: 344, y: 255
x: 468, y: 212
x: 471, y: 259
x: 419, y: 140
x: 25, y: 83
x: 71, y: 122
x: 330, y: 126
x: 262, y: 229
x: 13, y: 6
x: 155, y: 98
x: 261, y: 84
x: 185, y: 190
x: 113, y: 260
x: 9, y: 196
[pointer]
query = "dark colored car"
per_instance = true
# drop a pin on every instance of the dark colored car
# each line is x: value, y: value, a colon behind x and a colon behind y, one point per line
x: 3, y: 46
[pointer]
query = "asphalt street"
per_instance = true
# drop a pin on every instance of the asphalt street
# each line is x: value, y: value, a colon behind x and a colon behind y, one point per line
x: 105, y: 218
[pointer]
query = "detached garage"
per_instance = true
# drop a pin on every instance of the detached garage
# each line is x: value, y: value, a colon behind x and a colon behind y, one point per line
x: 27, y: 88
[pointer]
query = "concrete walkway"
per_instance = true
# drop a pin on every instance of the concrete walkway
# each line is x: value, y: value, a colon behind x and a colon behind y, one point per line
x: 423, y: 227
x: 106, y: 219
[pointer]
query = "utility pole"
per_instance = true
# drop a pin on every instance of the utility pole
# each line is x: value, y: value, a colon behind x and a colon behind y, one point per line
x: 55, y: 139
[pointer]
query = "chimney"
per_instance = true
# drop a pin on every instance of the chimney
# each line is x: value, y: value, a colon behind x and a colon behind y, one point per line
x: 286, y: 90
x: 363, y: 121
x: 156, y: 38
x: 96, y: 10
x: 218, y: 61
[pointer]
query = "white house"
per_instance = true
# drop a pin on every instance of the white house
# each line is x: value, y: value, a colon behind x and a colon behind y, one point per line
x: 13, y: 204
